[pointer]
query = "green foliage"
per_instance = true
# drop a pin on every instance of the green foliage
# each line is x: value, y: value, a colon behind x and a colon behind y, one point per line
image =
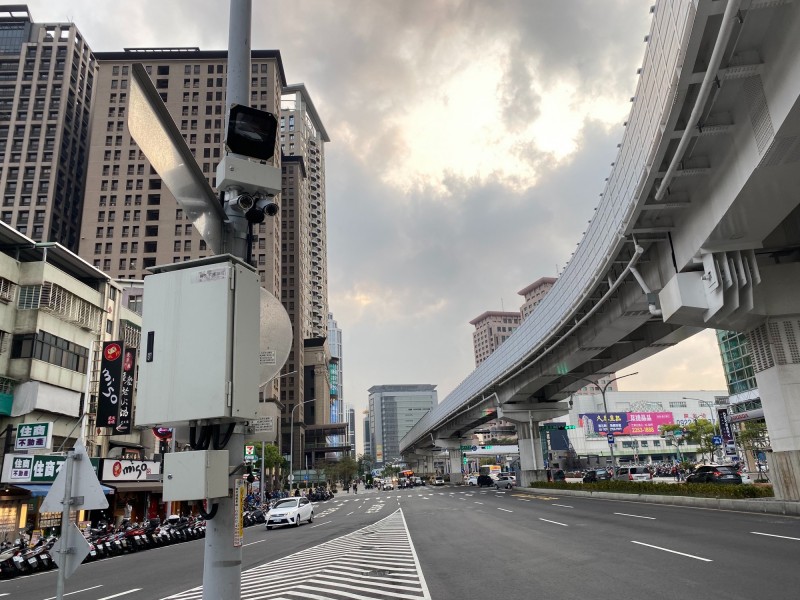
x: 390, y: 471
x: 486, y: 460
x: 753, y: 437
x: 696, y: 490
x: 700, y: 432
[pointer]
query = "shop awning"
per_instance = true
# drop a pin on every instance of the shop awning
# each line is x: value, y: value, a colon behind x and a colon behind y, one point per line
x: 41, y: 489
x: 138, y: 486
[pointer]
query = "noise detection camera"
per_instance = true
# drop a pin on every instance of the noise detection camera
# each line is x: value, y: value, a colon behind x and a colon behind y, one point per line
x: 243, y: 202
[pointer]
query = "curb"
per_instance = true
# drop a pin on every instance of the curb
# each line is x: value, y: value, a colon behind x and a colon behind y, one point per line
x: 772, y: 507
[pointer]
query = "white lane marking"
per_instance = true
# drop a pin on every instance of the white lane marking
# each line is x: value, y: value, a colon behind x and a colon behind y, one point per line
x: 94, y: 587
x: 251, y: 543
x: 120, y: 594
x: 672, y: 551
x: 320, y: 524
x: 785, y: 537
x: 563, y: 505
x: 462, y: 498
x: 504, y: 509
x: 476, y: 502
x: 554, y: 522
x: 350, y: 513
x: 635, y: 516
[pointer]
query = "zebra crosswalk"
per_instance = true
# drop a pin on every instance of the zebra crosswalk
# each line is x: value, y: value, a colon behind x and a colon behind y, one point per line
x: 375, y: 562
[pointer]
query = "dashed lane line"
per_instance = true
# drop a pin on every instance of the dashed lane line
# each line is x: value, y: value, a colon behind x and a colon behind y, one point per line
x: 785, y: 537
x: 635, y: 516
x: 673, y: 551
x: 563, y: 505
x: 504, y: 509
x: 553, y: 522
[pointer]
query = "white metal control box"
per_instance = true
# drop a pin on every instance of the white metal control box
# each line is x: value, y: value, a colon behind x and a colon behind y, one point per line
x: 199, y: 355
x: 195, y: 475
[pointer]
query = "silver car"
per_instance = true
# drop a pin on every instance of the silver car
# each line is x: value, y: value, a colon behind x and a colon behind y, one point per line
x: 504, y: 482
x: 290, y: 511
x: 633, y: 474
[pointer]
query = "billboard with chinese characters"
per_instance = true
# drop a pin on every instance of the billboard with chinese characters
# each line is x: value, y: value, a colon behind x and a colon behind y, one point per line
x: 34, y: 436
x: 37, y: 468
x: 126, y: 391
x: 624, y: 423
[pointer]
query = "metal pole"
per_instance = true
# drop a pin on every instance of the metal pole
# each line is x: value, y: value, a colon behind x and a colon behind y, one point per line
x: 262, y: 472
x: 222, y: 561
x: 605, y: 409
x: 65, y: 505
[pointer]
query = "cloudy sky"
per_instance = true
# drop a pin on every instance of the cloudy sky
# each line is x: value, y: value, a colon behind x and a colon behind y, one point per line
x: 469, y: 144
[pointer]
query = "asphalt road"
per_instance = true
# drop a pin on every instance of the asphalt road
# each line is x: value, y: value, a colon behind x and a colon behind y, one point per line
x: 474, y: 543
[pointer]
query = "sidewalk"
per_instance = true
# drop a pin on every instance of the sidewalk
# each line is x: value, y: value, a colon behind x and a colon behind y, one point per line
x: 755, y: 505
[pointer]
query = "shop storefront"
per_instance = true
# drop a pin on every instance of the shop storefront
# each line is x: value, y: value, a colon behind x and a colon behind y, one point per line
x: 27, y: 479
x: 138, y: 489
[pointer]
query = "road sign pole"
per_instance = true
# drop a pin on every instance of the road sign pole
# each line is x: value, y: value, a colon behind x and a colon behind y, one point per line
x: 66, y: 503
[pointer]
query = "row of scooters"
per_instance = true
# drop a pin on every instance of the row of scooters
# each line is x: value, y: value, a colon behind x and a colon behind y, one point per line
x: 104, y: 541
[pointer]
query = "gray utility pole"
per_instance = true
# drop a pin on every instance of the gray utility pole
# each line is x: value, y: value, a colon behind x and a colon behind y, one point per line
x: 712, y: 407
x: 222, y: 561
x: 605, y: 410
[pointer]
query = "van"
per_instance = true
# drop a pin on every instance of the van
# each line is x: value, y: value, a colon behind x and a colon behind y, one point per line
x: 633, y: 474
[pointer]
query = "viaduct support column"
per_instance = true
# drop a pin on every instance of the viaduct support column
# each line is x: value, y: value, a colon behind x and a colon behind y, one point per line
x: 777, y: 364
x: 456, y: 464
x: 531, y: 461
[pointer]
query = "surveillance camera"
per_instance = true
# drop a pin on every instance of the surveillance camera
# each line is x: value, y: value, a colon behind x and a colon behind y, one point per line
x: 267, y: 205
x: 242, y: 202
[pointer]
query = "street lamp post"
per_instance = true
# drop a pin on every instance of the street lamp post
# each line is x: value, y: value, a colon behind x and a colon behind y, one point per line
x: 605, y: 410
x: 712, y: 406
x: 262, y: 485
x: 291, y: 440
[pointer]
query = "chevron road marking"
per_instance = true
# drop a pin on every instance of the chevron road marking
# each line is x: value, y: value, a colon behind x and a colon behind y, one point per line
x: 377, y: 561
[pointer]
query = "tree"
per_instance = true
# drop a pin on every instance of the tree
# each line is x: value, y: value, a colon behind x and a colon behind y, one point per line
x: 272, y: 458
x: 699, y: 432
x: 364, y: 462
x: 754, y: 439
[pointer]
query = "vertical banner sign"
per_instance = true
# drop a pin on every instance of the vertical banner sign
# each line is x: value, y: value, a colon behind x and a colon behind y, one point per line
x: 725, y: 429
x: 126, y: 391
x: 240, y: 489
x: 110, y: 385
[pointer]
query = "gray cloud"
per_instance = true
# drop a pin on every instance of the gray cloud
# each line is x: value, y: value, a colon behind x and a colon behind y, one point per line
x: 432, y: 261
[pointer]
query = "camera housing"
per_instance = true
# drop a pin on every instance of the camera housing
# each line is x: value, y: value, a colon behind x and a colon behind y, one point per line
x: 267, y: 205
x: 243, y: 202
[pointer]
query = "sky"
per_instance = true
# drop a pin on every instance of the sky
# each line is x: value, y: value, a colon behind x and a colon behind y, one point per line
x: 470, y: 141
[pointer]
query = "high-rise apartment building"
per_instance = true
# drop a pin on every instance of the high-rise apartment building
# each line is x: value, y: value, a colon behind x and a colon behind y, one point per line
x: 393, y: 411
x: 367, y: 436
x: 534, y: 293
x: 47, y: 81
x: 492, y: 328
x: 351, y: 430
x: 130, y: 220
x: 311, y: 370
x: 335, y: 369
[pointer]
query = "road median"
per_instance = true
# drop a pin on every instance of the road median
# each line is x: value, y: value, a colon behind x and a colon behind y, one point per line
x: 754, y: 505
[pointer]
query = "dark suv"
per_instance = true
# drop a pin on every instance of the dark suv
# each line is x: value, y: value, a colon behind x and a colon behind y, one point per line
x: 485, y: 480
x: 714, y: 474
x: 596, y: 475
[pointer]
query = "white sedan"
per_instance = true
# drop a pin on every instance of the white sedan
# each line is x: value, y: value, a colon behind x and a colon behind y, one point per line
x: 290, y: 511
x: 473, y: 480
